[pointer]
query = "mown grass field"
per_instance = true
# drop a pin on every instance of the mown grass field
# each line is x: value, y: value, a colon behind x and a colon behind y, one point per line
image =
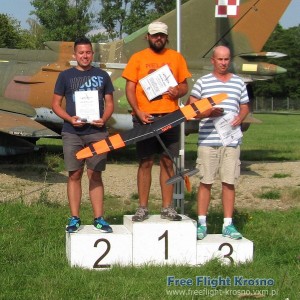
x: 32, y: 240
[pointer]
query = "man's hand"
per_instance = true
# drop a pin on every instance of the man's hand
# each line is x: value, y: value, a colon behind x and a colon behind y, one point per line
x: 216, y: 112
x: 211, y: 113
x: 77, y: 121
x: 145, y: 118
x: 98, y: 123
x: 173, y: 92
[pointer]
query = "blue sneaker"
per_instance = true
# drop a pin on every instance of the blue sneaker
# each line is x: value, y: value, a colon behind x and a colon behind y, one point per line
x: 201, y: 232
x: 74, y: 224
x: 101, y: 225
x: 230, y: 231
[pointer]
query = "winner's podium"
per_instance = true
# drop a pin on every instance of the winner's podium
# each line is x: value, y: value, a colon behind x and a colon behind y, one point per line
x: 160, y: 241
x: 154, y: 241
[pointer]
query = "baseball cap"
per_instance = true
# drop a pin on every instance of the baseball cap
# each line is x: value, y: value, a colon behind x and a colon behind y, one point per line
x: 158, y: 27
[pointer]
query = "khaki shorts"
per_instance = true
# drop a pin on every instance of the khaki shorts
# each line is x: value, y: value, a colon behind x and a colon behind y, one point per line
x: 72, y: 143
x: 222, y: 161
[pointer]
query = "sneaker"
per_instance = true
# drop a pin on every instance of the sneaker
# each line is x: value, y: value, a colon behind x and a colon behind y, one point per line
x: 101, y: 225
x: 170, y: 213
x: 201, y: 232
x: 74, y: 224
x: 230, y: 231
x: 141, y: 214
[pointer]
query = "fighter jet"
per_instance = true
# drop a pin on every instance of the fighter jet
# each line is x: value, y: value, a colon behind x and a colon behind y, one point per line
x: 27, y: 77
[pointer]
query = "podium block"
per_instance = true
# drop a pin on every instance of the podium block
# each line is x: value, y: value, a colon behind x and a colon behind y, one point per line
x: 159, y: 241
x: 225, y: 249
x: 154, y: 241
x: 93, y: 249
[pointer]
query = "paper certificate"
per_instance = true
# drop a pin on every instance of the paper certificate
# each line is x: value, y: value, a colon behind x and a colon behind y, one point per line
x: 87, y: 105
x: 158, y: 82
x: 228, y: 134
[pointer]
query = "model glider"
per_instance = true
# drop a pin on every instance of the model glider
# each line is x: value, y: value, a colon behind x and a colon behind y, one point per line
x: 161, y: 125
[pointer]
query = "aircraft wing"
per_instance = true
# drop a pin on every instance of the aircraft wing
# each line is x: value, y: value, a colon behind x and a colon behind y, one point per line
x: 18, y: 132
x: 16, y: 106
x: 23, y: 126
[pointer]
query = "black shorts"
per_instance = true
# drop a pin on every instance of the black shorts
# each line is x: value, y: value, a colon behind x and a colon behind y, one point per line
x: 149, y: 147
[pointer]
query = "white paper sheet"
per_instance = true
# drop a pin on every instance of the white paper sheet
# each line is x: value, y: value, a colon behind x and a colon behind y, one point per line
x: 87, y: 105
x: 158, y: 82
x: 228, y: 133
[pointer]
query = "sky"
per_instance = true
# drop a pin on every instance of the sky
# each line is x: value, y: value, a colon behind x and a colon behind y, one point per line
x: 20, y: 9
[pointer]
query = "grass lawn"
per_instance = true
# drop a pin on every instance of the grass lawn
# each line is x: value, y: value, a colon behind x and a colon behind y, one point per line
x: 34, y: 265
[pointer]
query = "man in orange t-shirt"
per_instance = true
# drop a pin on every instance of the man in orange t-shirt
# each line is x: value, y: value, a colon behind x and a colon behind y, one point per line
x: 145, y: 111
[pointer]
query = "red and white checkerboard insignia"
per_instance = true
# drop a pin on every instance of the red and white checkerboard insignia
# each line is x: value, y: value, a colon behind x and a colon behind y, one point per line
x: 227, y: 8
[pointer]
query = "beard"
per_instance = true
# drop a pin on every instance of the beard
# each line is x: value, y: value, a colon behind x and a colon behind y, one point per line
x: 158, y: 45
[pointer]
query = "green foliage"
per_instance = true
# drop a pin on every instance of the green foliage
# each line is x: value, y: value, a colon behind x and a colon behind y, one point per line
x: 281, y: 175
x: 12, y: 36
x: 8, y: 32
x: 63, y: 20
x: 36, y: 31
x: 112, y: 16
x: 140, y: 14
x: 164, y: 6
x: 34, y: 265
x: 123, y: 17
x: 272, y: 195
x: 286, y: 41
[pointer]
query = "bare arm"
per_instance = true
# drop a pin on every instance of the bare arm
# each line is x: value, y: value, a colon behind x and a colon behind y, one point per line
x: 178, y: 91
x: 56, y: 107
x: 131, y: 97
x: 130, y: 94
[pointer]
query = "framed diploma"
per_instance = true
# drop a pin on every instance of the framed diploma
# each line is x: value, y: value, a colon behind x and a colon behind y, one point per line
x: 87, y: 105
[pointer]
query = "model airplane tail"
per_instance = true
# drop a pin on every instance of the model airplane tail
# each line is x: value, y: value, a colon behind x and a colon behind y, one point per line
x: 163, y: 124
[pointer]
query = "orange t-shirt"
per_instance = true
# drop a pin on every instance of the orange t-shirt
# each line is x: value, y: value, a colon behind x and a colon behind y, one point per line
x: 145, y: 62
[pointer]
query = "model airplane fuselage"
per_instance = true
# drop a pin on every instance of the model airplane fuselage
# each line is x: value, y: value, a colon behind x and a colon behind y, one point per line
x: 27, y: 77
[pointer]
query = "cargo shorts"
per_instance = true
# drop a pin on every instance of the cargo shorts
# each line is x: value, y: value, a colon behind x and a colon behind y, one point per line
x: 218, y: 161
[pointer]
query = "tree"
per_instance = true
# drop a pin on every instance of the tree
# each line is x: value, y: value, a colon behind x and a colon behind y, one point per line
x: 36, y: 32
x: 112, y: 16
x: 8, y: 31
x: 164, y: 6
x: 12, y: 36
x: 63, y: 20
x: 123, y: 17
x: 286, y: 41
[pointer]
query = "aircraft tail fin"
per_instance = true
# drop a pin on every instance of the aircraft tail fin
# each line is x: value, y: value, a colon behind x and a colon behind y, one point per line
x: 207, y: 23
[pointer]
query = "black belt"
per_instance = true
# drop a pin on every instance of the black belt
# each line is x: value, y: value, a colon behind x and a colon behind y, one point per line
x: 159, y: 115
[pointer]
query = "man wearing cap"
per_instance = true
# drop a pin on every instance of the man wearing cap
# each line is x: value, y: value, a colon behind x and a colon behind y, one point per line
x: 145, y: 112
